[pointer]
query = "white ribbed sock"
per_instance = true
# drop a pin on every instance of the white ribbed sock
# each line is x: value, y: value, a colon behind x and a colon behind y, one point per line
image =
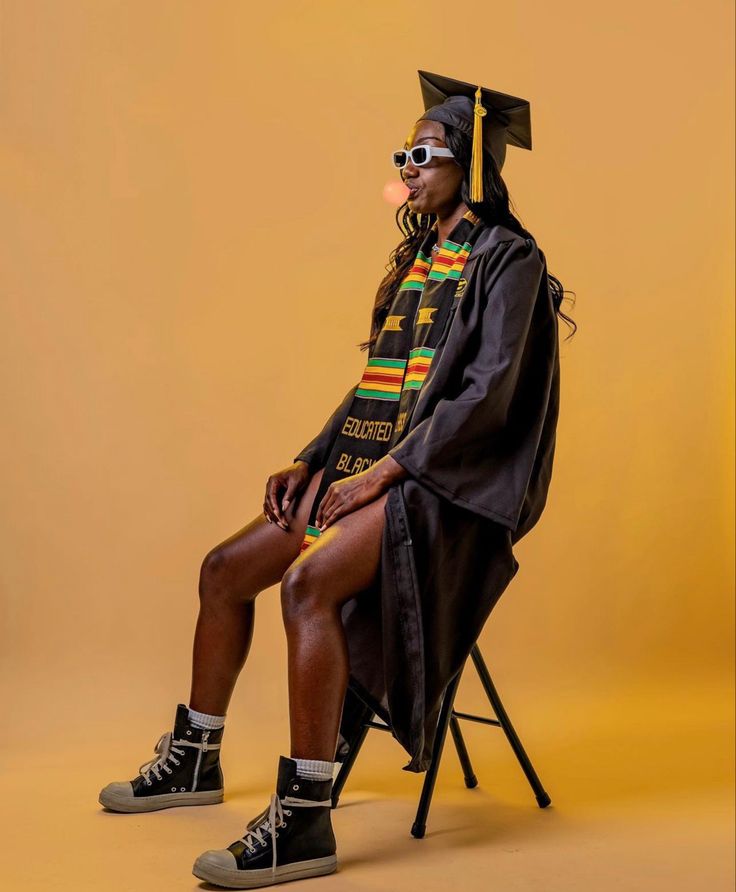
x: 203, y: 720
x: 314, y: 769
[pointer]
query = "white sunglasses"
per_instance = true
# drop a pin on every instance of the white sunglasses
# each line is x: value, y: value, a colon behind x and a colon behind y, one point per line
x: 420, y: 155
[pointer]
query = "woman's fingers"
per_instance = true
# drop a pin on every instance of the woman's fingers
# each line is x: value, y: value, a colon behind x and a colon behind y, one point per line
x: 271, y: 516
x: 325, y: 505
x: 291, y: 494
x: 273, y: 503
x: 334, y: 511
x: 327, y: 516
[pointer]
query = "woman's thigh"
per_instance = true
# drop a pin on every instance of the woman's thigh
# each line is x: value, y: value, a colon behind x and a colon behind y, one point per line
x: 257, y: 556
x: 343, y: 561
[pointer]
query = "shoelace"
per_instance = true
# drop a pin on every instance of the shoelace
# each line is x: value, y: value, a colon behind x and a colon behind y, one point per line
x: 164, y: 749
x: 269, y: 824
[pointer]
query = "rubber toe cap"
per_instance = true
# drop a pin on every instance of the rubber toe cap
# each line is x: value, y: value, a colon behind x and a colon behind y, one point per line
x: 218, y: 858
x: 117, y: 790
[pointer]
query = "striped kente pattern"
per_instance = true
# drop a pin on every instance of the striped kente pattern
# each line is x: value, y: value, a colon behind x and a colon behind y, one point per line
x: 449, y: 262
x: 382, y: 379
x: 416, y: 277
x: 310, y: 535
x: 420, y: 359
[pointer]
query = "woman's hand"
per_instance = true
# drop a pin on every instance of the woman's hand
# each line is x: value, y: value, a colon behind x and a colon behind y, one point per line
x: 351, y: 493
x: 281, y: 489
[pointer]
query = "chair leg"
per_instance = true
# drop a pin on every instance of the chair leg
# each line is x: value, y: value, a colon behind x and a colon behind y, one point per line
x: 420, y: 822
x: 541, y: 794
x: 344, y: 771
x: 462, y: 752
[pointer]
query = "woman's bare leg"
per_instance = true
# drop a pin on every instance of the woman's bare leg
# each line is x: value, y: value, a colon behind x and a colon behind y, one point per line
x: 232, y: 575
x: 343, y: 561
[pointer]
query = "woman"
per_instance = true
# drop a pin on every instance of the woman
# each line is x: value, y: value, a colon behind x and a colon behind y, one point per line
x: 392, y: 531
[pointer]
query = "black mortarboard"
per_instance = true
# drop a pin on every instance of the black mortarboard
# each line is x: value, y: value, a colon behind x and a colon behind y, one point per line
x: 464, y: 106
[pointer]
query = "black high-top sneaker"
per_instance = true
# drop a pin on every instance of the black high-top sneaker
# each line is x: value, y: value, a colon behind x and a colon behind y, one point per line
x: 289, y: 840
x: 186, y: 771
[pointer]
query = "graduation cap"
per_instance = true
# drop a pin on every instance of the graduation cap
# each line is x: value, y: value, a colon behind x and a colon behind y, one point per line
x: 465, y: 106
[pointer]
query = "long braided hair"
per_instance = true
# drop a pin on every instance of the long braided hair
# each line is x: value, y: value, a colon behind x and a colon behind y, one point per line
x: 494, y: 209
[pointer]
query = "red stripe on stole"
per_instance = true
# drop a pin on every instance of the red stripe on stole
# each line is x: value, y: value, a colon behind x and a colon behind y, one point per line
x: 419, y: 269
x: 419, y: 365
x: 447, y: 262
x: 382, y: 378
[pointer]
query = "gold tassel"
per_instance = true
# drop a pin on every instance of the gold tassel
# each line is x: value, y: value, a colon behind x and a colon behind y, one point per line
x: 476, y: 164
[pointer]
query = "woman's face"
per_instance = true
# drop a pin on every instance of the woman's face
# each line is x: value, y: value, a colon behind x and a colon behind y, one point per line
x: 438, y: 183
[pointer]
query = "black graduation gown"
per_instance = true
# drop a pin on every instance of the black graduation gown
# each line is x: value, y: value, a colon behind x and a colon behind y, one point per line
x: 479, y: 447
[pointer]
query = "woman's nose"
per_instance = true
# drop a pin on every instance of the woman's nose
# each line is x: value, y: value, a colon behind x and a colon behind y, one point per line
x: 410, y: 169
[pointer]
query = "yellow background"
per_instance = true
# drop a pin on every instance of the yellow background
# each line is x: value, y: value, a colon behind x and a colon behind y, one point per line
x: 193, y: 231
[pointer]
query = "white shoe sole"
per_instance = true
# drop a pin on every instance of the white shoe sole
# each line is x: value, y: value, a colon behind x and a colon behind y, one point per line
x: 131, y: 805
x: 251, y: 879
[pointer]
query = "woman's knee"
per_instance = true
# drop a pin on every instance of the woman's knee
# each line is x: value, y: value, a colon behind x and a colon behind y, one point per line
x: 303, y: 592
x: 217, y: 577
x: 212, y: 571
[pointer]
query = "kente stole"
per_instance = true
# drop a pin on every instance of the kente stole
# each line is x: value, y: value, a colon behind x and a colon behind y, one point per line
x: 399, y: 360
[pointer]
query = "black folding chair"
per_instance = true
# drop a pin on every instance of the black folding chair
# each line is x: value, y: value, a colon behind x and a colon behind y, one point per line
x: 448, y: 716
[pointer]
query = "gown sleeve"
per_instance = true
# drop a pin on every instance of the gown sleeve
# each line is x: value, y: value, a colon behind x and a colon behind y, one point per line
x: 315, y: 452
x: 476, y: 446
